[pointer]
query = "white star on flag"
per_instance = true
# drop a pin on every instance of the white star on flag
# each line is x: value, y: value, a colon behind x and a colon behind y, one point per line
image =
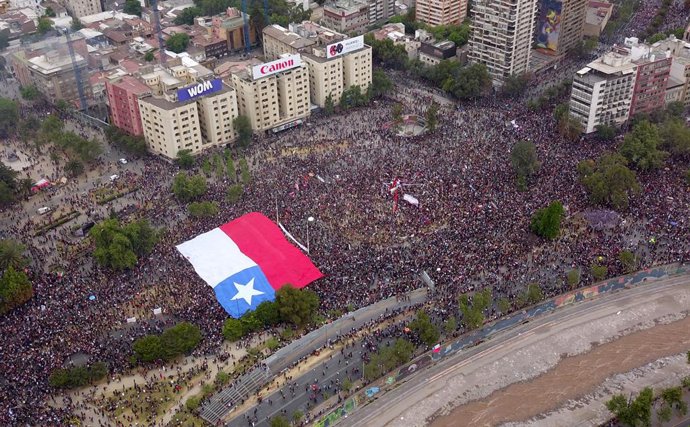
x: 246, y: 292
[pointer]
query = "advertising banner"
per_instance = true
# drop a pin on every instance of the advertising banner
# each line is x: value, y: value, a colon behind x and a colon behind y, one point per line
x: 199, y: 89
x: 549, y: 24
x: 345, y: 46
x: 270, y: 68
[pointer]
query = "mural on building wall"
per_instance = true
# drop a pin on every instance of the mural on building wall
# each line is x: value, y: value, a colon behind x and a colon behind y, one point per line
x: 549, y: 24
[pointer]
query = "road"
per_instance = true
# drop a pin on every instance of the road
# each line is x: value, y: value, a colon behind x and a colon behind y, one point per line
x: 389, y: 407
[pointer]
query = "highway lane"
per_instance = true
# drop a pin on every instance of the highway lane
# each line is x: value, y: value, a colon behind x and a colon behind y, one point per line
x: 389, y: 406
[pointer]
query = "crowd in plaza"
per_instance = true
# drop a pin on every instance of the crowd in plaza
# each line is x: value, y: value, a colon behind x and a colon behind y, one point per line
x: 470, y: 231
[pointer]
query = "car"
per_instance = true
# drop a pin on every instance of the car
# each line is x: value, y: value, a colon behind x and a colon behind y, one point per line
x: 43, y: 210
x: 114, y: 177
x: 122, y: 161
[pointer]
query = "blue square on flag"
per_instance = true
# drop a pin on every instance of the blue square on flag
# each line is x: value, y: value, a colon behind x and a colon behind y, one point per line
x: 246, y: 260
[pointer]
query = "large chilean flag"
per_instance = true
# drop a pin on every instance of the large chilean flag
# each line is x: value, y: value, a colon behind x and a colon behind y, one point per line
x: 246, y: 260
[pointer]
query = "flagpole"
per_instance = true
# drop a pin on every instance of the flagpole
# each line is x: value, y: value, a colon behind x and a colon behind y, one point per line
x: 277, y: 219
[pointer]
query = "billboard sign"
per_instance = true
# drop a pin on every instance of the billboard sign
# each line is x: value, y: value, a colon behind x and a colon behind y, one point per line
x: 199, y: 89
x: 269, y: 68
x: 345, y: 46
x: 549, y: 24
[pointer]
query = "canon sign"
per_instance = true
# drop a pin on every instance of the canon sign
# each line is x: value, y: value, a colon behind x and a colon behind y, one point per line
x: 345, y: 46
x: 286, y: 63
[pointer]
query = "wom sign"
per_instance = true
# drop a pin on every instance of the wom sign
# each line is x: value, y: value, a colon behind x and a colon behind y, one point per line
x: 199, y: 89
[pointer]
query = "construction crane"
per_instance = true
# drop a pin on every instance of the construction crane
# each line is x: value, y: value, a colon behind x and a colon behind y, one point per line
x: 77, y: 72
x: 159, y: 31
x: 245, y: 17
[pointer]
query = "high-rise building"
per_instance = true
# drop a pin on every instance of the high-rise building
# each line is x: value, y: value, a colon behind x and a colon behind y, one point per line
x: 602, y: 91
x: 653, y: 71
x: 79, y: 8
x: 54, y: 76
x: 347, y: 16
x: 680, y: 67
x: 334, y: 61
x: 502, y: 35
x: 560, y: 25
x: 275, y: 94
x: 124, y: 94
x: 441, y: 12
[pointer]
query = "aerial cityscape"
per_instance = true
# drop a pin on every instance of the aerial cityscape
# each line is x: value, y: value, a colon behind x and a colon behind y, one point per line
x: 374, y: 213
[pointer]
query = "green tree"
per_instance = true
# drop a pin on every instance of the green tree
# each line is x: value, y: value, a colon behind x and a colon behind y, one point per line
x: 142, y: 235
x: 546, y: 222
x: 180, y: 339
x: 279, y: 421
x: 185, y: 159
x: 119, y: 247
x: 470, y: 82
x: 606, y: 132
x: 664, y: 413
x: 609, y: 181
x: 329, y: 105
x: 9, y: 116
x: 673, y: 397
x: 233, y: 329
x: 473, y: 313
x: 386, y: 53
x: 244, y: 171
x: 628, y: 260
x: 561, y: 111
x: 15, y: 289
x: 431, y: 116
x: 132, y: 7
x: 534, y: 293
x: 148, y: 57
x: 570, y: 128
x: 297, y: 417
x: 230, y: 166
x: 640, y: 147
x: 133, y: 145
x: 44, y: 25
x: 523, y: 158
x: 633, y: 413
x: 516, y: 85
x: 243, y: 128
x: 203, y: 209
x: 76, y: 24
x: 573, y: 277
x: 599, y: 272
x: 397, y: 112
x: 234, y: 193
x: 186, y: 17
x: 187, y: 188
x: 74, y: 168
x: 267, y: 313
x: 12, y: 254
x: 428, y: 332
x: 675, y: 138
x: 30, y: 93
x: 381, y: 85
x: 148, y: 348
x: 504, y: 305
x: 296, y: 306
x: 177, y: 42
x: 450, y: 326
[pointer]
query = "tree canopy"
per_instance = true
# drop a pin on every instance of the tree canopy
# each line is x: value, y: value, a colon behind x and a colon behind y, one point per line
x: 523, y: 158
x: 296, y: 306
x: 9, y: 116
x: 675, y: 137
x: 609, y: 181
x: 546, y: 222
x: 388, y: 358
x: 473, y: 312
x: 515, y: 85
x: 188, y: 188
x: 175, y: 341
x: 243, y: 128
x: 177, y: 42
x: 132, y: 7
x: 386, y: 53
x: 77, y: 376
x: 15, y: 289
x: 119, y: 247
x: 9, y: 186
x: 186, y: 17
x: 380, y: 84
x: 633, y: 413
x: 428, y: 332
x: 132, y: 145
x: 640, y: 147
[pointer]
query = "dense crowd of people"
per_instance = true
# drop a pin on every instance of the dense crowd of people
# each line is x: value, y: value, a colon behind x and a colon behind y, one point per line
x: 470, y: 231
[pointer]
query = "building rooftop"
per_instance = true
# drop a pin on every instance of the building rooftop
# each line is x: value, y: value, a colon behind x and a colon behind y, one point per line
x: 47, y: 64
x: 597, y: 12
x: 618, y: 61
x: 133, y: 85
x: 104, y: 16
x: 288, y: 37
x: 343, y: 8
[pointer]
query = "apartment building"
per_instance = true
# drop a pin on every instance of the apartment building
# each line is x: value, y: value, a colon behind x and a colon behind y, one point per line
x: 124, y: 94
x: 79, y: 8
x: 602, y: 91
x: 53, y: 74
x: 347, y: 16
x: 334, y: 61
x: 273, y: 94
x: 501, y: 36
x: 653, y: 72
x: 441, y: 12
x: 680, y: 67
x: 229, y: 26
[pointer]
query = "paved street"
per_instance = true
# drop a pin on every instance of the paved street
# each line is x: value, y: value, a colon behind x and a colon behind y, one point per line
x: 391, y: 408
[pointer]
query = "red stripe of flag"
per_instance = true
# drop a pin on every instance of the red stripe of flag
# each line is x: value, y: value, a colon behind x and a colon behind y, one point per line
x: 261, y: 240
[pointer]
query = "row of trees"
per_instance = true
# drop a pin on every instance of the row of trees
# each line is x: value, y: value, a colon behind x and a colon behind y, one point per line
x: 12, y: 188
x: 459, y: 34
x: 293, y: 306
x: 173, y: 342
x: 387, y: 358
x: 187, y: 188
x: 637, y: 411
x: 119, y: 247
x: 133, y: 145
x: 78, y: 376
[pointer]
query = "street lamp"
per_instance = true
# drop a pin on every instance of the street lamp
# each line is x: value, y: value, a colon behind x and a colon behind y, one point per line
x: 310, y: 219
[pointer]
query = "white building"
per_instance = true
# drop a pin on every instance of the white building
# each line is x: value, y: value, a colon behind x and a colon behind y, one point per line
x: 602, y: 91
